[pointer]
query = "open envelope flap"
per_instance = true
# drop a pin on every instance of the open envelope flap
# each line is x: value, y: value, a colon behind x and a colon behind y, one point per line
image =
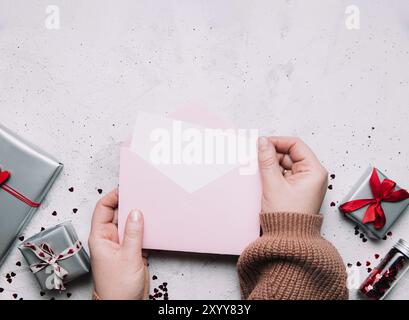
x: 221, y: 217
x: 190, y: 155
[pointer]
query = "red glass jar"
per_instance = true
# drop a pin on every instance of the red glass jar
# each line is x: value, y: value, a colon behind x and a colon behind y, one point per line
x: 385, y: 276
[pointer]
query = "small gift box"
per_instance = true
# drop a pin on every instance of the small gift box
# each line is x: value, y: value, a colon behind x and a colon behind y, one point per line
x: 26, y: 175
x: 375, y: 203
x: 56, y: 256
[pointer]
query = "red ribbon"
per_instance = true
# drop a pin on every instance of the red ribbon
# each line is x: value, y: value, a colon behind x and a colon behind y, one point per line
x: 4, y: 176
x: 384, y: 191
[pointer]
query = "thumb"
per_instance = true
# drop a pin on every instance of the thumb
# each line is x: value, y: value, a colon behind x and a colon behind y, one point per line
x: 133, y: 235
x: 270, y: 172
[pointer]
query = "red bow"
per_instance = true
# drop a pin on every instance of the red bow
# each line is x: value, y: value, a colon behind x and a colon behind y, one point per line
x: 4, y: 176
x: 384, y: 191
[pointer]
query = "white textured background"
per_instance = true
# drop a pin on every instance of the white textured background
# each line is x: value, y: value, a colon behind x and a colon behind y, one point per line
x: 288, y: 67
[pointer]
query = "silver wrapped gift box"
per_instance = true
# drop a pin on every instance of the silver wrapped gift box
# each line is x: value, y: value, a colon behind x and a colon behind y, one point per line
x: 58, y: 239
x: 31, y: 174
x: 392, y: 209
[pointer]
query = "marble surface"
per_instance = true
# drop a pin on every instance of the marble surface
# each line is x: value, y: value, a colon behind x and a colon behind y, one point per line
x: 287, y: 67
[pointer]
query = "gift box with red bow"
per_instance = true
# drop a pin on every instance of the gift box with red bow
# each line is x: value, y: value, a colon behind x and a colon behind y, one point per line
x: 375, y: 203
x: 56, y: 256
x: 26, y: 175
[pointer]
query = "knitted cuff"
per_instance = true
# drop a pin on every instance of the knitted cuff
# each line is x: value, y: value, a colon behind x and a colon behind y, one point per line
x: 290, y: 224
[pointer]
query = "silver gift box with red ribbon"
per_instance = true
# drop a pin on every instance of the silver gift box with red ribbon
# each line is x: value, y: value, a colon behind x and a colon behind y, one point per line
x: 27, y: 174
x: 56, y: 256
x: 375, y: 203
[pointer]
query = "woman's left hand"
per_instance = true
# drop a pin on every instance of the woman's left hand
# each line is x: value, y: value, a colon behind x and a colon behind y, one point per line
x: 119, y: 270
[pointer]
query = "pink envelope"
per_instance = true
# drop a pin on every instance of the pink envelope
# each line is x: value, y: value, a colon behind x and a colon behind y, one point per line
x: 221, y: 217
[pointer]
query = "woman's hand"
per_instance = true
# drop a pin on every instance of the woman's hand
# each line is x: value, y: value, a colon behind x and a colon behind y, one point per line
x: 119, y: 270
x: 292, y: 177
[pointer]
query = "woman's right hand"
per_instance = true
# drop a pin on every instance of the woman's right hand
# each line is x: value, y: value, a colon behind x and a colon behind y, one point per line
x: 293, y: 179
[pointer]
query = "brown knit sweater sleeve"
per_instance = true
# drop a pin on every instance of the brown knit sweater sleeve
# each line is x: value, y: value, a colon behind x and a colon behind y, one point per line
x: 291, y: 260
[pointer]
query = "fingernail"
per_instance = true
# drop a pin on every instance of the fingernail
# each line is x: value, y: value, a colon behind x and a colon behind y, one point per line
x: 135, y: 215
x: 262, y: 143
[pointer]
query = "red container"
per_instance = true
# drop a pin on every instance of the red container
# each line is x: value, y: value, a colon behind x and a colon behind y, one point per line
x: 387, y: 274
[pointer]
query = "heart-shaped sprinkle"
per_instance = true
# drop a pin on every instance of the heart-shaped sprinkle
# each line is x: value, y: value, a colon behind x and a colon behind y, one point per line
x: 4, y: 176
x: 21, y: 238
